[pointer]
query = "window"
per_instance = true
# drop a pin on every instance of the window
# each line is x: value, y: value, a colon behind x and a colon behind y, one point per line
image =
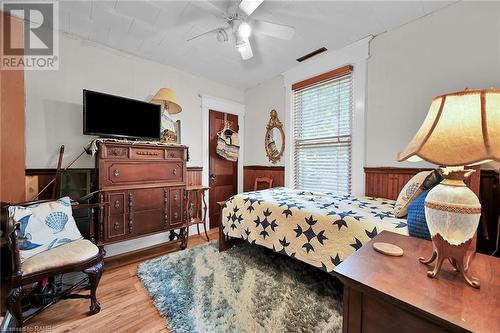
x: 322, y: 111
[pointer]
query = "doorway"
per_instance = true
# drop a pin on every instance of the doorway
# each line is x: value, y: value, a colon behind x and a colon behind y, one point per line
x: 223, y: 174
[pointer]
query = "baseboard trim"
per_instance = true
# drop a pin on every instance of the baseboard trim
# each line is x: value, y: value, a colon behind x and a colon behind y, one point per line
x: 140, y: 254
x: 152, y: 251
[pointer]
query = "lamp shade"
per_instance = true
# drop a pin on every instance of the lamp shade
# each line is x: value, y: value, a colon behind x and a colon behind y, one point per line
x: 461, y: 128
x: 167, y: 98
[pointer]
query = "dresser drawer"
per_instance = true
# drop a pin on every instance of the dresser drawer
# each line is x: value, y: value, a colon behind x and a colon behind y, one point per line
x: 113, y: 152
x: 175, y: 153
x: 147, y: 222
x: 176, y: 206
x: 146, y: 199
x: 117, y: 201
x: 147, y: 153
x: 124, y: 173
x: 116, y: 227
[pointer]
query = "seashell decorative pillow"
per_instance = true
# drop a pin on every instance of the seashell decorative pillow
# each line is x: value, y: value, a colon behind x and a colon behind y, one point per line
x: 44, y: 226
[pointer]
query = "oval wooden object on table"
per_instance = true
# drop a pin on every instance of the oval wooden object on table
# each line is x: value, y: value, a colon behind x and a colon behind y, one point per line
x: 388, y: 249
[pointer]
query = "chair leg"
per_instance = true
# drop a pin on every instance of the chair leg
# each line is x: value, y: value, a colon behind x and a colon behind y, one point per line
x: 94, y: 273
x: 14, y: 305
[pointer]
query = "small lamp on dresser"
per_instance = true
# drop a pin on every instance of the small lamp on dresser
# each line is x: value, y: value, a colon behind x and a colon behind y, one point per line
x: 167, y: 98
x: 460, y: 129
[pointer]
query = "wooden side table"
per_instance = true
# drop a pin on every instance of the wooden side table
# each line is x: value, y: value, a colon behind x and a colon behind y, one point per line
x: 196, y: 208
x: 394, y: 294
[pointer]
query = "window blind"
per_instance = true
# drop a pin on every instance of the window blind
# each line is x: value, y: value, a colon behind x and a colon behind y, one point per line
x: 322, y: 110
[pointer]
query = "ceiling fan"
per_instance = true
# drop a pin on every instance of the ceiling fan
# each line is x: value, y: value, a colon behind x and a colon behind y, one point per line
x: 239, y: 26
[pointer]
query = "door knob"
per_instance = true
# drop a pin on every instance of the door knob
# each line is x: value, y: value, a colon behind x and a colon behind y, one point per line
x: 212, y: 177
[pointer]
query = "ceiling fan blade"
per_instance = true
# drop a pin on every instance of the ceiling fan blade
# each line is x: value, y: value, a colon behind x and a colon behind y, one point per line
x: 204, y: 34
x: 274, y: 30
x: 248, y: 6
x: 210, y: 7
x: 245, y: 49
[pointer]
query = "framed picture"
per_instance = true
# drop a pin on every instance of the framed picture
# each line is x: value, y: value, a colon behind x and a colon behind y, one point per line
x: 170, y: 129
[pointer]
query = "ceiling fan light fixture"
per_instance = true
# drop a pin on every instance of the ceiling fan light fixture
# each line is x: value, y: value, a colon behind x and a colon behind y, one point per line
x: 244, y: 30
x: 244, y: 48
x: 222, y: 36
x: 241, y: 42
x: 241, y: 47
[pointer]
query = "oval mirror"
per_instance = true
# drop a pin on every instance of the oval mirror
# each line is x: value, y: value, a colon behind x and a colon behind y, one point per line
x: 275, y: 138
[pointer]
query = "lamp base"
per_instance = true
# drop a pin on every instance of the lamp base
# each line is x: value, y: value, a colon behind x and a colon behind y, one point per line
x: 456, y: 254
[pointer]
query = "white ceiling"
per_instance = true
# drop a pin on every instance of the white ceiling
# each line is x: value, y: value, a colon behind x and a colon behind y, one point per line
x: 157, y: 30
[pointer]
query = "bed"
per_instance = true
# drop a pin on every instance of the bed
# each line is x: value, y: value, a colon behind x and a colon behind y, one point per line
x: 320, y: 229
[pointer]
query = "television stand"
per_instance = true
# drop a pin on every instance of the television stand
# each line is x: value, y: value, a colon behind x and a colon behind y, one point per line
x: 144, y: 183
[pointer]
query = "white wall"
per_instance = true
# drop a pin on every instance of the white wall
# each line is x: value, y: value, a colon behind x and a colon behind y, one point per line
x: 259, y: 101
x: 452, y: 49
x: 54, y: 98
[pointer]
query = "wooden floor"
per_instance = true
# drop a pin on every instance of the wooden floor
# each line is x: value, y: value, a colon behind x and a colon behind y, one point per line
x: 125, y: 304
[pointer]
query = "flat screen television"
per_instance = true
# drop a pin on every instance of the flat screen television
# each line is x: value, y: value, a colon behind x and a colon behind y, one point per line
x: 119, y: 117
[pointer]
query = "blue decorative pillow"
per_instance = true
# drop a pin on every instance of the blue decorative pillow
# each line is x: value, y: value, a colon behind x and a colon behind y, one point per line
x: 44, y: 226
x: 417, y: 225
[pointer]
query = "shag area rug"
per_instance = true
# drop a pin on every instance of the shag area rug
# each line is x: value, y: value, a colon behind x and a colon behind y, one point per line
x: 245, y: 289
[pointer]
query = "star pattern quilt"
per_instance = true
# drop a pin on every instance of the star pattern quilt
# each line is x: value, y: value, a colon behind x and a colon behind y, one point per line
x: 320, y: 229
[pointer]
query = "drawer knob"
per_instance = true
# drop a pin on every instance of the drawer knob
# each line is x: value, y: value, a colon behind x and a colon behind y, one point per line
x: 116, y: 226
x: 176, y: 216
x: 174, y: 171
x: 117, y: 204
x: 175, y: 197
x: 116, y: 172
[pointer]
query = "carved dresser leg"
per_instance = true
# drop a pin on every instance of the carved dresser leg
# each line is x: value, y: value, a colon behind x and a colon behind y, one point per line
x: 183, y: 236
x: 94, y: 273
x: 14, y: 305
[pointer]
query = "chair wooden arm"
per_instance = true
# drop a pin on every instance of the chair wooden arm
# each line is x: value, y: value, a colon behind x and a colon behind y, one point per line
x: 12, y: 229
x: 90, y: 207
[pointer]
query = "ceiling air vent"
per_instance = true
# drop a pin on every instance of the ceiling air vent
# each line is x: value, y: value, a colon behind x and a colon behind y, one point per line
x: 312, y: 54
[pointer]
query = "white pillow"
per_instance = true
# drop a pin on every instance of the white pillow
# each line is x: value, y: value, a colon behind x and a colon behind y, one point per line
x: 44, y: 226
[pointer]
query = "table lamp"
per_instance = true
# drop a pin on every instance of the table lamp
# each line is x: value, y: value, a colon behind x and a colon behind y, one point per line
x: 168, y: 99
x: 460, y: 129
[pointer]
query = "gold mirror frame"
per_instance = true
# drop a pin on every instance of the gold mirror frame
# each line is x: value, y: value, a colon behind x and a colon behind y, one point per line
x: 273, y: 153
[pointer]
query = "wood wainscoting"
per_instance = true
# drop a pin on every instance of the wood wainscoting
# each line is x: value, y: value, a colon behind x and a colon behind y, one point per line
x: 387, y: 182
x: 250, y: 172
x: 194, y: 175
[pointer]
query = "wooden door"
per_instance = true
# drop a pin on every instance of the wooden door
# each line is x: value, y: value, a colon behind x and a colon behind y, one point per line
x: 223, y: 174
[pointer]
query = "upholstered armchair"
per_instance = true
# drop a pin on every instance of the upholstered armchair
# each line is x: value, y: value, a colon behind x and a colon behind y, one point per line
x: 33, y: 261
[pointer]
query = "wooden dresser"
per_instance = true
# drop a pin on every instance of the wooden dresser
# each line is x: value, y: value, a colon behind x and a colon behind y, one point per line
x: 394, y: 294
x: 145, y: 187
